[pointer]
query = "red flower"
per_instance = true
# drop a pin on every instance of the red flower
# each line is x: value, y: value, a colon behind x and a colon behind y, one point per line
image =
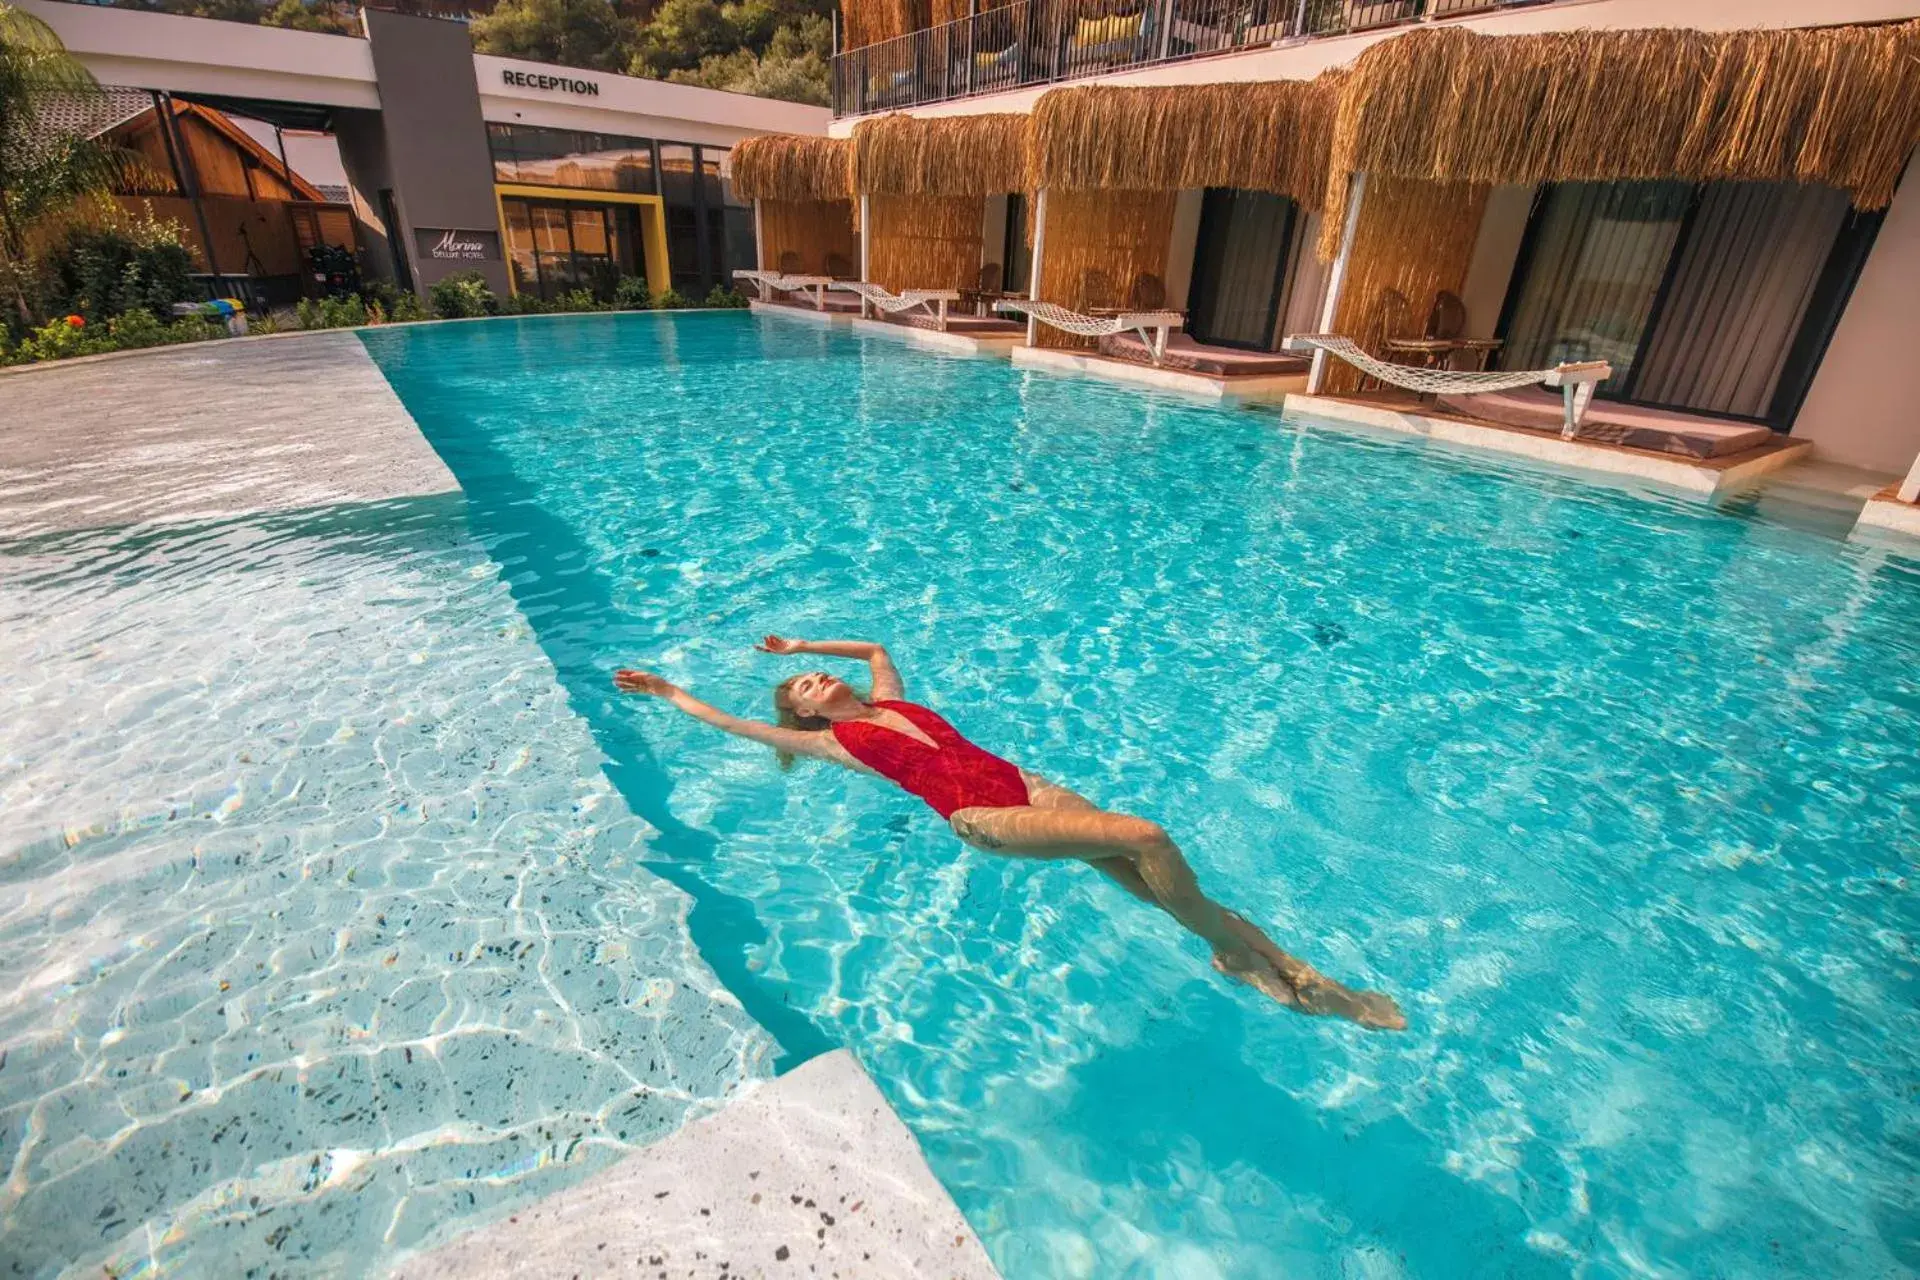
x: 76, y: 322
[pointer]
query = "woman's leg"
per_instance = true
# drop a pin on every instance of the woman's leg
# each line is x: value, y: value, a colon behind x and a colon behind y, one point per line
x: 1093, y: 835
x: 1140, y: 856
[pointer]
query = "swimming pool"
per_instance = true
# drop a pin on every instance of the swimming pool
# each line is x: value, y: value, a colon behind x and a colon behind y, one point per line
x: 1617, y: 794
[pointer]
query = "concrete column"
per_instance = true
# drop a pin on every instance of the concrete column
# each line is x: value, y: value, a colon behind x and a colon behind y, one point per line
x: 1039, y: 260
x: 436, y: 147
x: 1910, y: 487
x: 1356, y: 191
x: 866, y: 239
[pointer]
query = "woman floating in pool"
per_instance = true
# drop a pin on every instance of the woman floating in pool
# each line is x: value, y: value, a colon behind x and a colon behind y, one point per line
x: 999, y: 807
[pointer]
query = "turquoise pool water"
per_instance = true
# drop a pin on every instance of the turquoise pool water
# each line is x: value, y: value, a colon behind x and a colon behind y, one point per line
x: 321, y: 930
x: 1619, y: 795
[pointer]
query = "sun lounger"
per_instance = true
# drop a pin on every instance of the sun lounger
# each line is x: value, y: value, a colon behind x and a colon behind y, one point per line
x: 1152, y: 326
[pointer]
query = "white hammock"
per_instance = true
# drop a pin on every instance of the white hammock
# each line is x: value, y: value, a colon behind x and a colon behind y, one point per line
x: 765, y: 281
x: 1576, y: 381
x: 934, y: 300
x: 1152, y: 326
x: 771, y: 282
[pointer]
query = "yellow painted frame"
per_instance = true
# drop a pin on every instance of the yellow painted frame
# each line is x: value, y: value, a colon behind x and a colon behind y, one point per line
x: 653, y: 222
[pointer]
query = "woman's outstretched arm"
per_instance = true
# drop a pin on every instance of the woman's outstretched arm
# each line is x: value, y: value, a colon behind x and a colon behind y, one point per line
x: 886, y: 678
x: 801, y: 742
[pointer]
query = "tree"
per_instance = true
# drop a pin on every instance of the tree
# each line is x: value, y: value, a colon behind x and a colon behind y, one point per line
x: 681, y: 35
x: 794, y: 67
x: 572, y: 33
x: 42, y: 173
x: 324, y: 16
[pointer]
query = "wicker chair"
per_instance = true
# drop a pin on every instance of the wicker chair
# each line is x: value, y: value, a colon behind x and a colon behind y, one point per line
x: 1149, y: 293
x: 986, y: 289
x: 1096, y: 292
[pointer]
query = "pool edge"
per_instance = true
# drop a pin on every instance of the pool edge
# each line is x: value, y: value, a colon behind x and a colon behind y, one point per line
x: 812, y: 1169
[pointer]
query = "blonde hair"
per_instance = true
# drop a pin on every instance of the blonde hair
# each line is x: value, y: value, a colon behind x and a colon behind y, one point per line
x: 788, y: 717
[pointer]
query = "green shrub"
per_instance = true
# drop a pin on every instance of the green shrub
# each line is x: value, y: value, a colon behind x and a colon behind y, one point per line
x: 578, y: 300
x: 136, y: 328
x: 103, y: 271
x: 396, y: 305
x: 724, y: 297
x: 632, y: 294
x: 525, y: 304
x: 462, y: 294
x: 61, y: 338
x: 668, y: 300
x: 195, y: 329
x: 333, y: 313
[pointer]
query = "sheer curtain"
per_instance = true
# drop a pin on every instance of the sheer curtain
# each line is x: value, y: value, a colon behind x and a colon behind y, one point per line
x: 1739, y: 294
x: 1242, y: 253
x: 1600, y: 251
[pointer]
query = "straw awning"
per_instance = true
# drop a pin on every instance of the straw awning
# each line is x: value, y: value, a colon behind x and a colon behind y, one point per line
x: 1832, y: 105
x: 1262, y: 136
x: 786, y: 166
x: 975, y: 155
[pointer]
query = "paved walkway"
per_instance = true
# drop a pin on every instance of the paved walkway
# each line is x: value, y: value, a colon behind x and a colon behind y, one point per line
x: 211, y: 429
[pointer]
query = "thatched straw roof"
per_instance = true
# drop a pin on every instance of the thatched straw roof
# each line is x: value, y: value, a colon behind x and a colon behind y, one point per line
x: 1268, y: 136
x: 982, y: 155
x: 1835, y: 105
x: 785, y: 166
x: 865, y: 22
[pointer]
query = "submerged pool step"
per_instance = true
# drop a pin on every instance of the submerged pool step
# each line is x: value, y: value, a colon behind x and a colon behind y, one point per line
x: 809, y: 1174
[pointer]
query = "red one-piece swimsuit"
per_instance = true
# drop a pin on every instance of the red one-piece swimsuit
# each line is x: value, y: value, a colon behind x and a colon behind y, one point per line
x: 950, y: 775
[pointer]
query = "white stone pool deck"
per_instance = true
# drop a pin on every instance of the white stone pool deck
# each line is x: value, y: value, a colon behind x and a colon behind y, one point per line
x: 809, y: 1173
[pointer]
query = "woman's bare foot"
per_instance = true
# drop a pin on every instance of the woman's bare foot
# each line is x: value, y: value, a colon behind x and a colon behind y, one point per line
x: 1321, y: 996
x: 1368, y: 1008
x: 1309, y: 990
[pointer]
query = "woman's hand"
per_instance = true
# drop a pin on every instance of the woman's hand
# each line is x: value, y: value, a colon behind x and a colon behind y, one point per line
x: 780, y: 644
x: 642, y: 682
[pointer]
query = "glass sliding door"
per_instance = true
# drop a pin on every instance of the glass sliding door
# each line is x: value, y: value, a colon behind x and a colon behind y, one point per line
x: 1714, y: 298
x: 1598, y: 254
x: 1240, y: 267
x: 522, y: 261
x: 557, y: 246
x: 1017, y: 274
x: 553, y: 249
x: 1740, y: 291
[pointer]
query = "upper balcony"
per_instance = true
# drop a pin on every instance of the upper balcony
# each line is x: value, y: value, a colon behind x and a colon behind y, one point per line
x: 1039, y: 42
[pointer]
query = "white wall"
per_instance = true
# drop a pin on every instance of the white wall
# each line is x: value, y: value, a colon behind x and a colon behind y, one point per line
x: 1864, y: 406
x: 1181, y: 245
x: 1495, y: 254
x: 628, y: 104
x: 1307, y: 289
x: 203, y: 55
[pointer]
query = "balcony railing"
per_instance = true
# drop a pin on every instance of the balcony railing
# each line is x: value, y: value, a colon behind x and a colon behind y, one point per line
x: 1030, y: 42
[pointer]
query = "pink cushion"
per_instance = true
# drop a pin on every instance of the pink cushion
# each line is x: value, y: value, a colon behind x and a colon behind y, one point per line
x: 1185, y: 353
x: 1657, y: 430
